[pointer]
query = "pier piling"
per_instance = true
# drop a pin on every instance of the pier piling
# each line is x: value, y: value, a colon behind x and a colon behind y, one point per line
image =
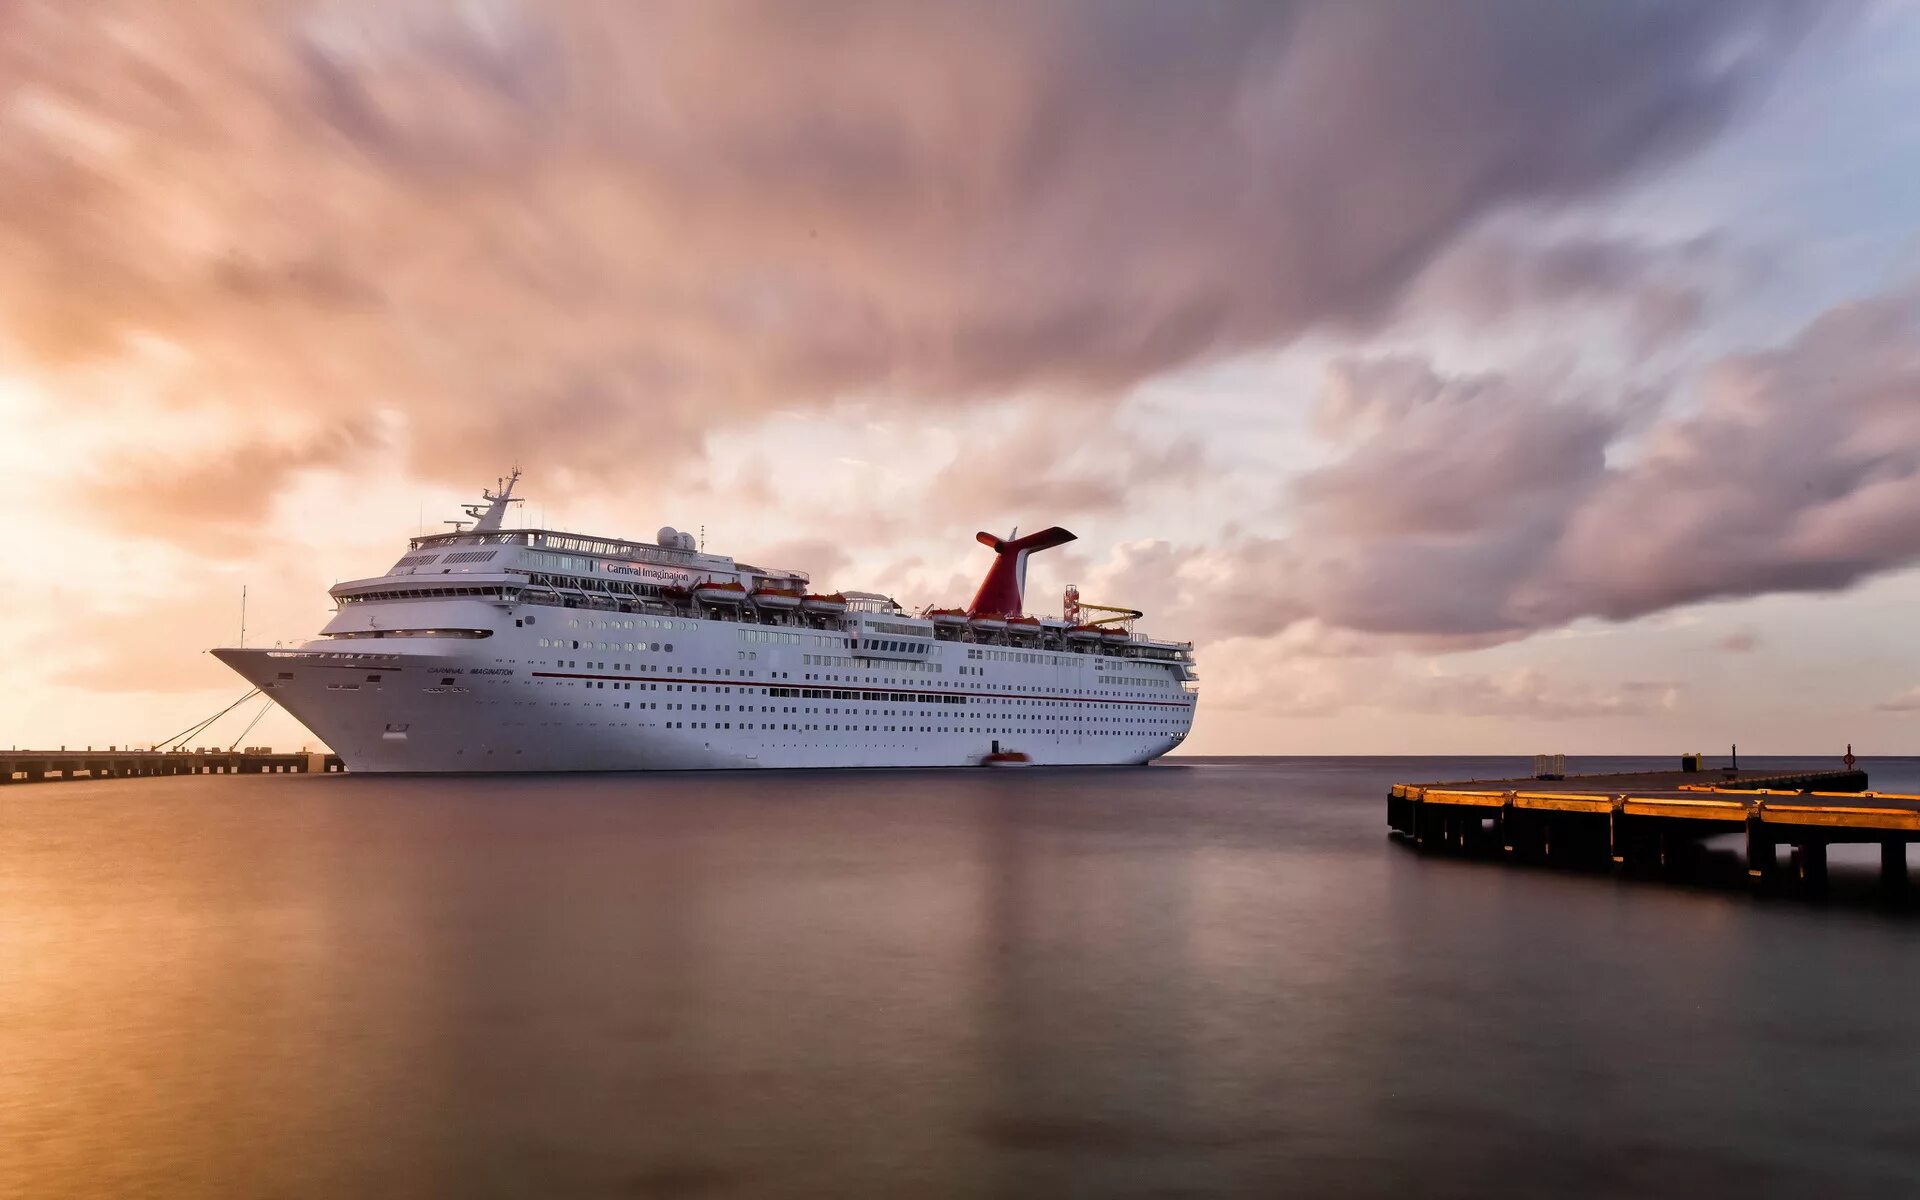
x: 1763, y: 853
x: 1893, y: 864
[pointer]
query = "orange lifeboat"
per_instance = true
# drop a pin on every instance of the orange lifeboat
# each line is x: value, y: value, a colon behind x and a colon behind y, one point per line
x: 1113, y: 633
x: 988, y: 622
x: 777, y: 597
x: 1084, y: 633
x: 1024, y: 626
x: 714, y: 592
x: 947, y: 618
x: 824, y: 606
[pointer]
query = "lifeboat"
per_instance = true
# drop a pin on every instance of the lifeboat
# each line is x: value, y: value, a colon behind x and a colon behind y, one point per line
x: 824, y: 606
x: 1024, y: 626
x: 1005, y: 758
x: 712, y: 592
x: 1084, y: 633
x: 988, y: 622
x: 1113, y: 633
x: 947, y: 618
x: 777, y: 597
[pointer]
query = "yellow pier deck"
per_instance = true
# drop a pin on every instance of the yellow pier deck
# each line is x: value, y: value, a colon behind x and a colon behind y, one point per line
x: 1638, y: 820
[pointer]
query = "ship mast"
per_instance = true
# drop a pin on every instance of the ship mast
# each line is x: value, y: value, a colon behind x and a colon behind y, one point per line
x: 487, y: 518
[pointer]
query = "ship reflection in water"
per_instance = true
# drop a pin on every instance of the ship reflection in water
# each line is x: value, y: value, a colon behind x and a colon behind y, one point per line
x: 1217, y: 977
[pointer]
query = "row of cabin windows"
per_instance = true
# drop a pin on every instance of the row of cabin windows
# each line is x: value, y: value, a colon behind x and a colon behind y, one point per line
x: 987, y: 654
x: 483, y: 593
x: 866, y: 694
x: 632, y: 623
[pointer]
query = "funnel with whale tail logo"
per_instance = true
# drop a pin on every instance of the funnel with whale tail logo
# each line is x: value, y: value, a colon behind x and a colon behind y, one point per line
x: 1003, y: 591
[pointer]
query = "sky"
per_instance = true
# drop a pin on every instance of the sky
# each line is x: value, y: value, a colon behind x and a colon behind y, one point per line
x: 1481, y: 376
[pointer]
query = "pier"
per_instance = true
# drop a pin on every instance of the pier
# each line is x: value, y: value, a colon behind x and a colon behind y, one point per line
x: 1652, y: 820
x: 40, y: 766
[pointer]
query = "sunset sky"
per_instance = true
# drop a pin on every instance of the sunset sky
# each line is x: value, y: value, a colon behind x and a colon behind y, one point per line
x: 1462, y: 377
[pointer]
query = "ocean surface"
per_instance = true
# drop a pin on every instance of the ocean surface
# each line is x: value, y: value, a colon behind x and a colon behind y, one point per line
x: 1207, y: 977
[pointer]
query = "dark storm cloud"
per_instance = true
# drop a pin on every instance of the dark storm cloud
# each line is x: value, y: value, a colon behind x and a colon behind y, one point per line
x: 587, y: 234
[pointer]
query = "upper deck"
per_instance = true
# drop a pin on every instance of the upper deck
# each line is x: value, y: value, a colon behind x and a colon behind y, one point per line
x: 438, y: 553
x: 491, y: 566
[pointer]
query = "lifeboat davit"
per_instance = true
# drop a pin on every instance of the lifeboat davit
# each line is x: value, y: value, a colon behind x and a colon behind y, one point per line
x: 988, y: 622
x: 777, y: 597
x: 1024, y: 626
x: 824, y: 606
x: 1084, y: 633
x: 713, y: 592
x: 947, y: 618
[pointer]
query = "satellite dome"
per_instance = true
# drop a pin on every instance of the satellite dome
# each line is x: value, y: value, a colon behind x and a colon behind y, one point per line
x: 668, y: 536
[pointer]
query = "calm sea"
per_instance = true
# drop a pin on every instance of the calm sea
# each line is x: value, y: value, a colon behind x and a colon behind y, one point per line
x: 1207, y: 977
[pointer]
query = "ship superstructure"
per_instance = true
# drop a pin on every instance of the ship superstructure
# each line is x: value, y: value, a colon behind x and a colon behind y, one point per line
x: 497, y: 649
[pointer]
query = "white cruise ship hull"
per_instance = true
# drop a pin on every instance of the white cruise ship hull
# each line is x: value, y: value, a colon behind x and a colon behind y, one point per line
x: 497, y: 649
x: 507, y: 704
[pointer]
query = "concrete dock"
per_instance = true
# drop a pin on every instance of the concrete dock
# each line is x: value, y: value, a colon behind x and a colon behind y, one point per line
x: 38, y: 766
x: 1649, y: 820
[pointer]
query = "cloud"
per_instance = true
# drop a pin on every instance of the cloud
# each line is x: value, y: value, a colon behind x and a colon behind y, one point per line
x: 1528, y: 693
x: 1526, y: 462
x: 1488, y: 507
x: 1658, y: 289
x: 219, y: 503
x: 589, y: 235
x: 821, y: 558
x: 1267, y: 675
x: 1907, y: 701
x: 1058, y: 463
x: 1799, y: 472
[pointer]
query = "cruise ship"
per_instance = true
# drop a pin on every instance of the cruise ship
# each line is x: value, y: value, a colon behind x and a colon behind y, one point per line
x: 494, y: 649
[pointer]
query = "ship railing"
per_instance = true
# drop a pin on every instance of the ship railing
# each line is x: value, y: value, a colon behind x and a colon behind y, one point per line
x: 569, y: 591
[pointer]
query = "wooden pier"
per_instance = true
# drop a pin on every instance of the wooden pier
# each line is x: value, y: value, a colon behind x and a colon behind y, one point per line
x: 1649, y: 821
x: 39, y: 766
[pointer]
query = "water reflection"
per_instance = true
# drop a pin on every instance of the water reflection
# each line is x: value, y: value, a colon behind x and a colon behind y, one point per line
x: 1208, y: 979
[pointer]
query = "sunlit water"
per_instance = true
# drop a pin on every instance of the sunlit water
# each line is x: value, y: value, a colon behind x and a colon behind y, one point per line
x: 1213, y: 977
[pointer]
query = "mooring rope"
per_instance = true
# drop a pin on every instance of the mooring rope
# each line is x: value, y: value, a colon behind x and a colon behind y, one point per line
x: 252, y: 723
x: 194, y: 730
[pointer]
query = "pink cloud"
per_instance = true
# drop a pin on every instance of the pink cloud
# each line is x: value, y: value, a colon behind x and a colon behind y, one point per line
x: 1485, y: 508
x: 590, y: 235
x: 1907, y: 701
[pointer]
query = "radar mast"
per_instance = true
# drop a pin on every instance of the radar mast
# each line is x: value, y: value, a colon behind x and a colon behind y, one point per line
x: 488, y: 515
